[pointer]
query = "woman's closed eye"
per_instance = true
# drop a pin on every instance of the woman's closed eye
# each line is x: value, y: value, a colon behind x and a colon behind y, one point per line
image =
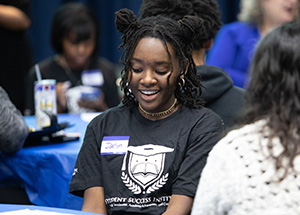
x: 161, y: 72
x: 137, y: 70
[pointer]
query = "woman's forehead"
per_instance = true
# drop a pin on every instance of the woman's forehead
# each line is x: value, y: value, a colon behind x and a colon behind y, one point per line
x: 154, y: 49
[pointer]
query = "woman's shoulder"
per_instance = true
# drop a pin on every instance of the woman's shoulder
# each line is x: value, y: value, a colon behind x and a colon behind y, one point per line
x: 239, y: 28
x: 238, y: 145
x: 203, y: 113
x: 45, y: 66
x: 239, y: 32
x: 242, y: 136
x: 204, y: 117
x: 238, y: 25
x: 48, y: 65
x: 50, y: 61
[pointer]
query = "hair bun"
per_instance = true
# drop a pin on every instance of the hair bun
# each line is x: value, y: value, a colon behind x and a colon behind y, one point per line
x: 191, y: 26
x: 125, y: 20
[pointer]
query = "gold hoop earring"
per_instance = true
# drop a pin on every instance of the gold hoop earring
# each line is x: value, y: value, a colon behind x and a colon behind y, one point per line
x: 183, y: 81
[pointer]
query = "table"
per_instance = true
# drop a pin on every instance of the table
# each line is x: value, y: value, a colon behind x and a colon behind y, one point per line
x: 45, y: 171
x: 10, y: 207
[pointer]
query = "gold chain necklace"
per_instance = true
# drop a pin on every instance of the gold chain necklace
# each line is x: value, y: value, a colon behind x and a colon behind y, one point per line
x: 163, y: 113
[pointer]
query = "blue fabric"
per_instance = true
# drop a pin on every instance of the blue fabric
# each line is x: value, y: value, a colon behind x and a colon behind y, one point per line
x: 45, y: 171
x: 10, y: 207
x: 233, y: 50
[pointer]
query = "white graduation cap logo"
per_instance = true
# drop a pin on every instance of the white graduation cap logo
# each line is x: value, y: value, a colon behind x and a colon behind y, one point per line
x: 145, y: 167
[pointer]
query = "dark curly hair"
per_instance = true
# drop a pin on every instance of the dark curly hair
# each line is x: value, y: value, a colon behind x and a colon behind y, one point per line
x: 274, y: 90
x: 77, y: 18
x: 208, y: 10
x: 178, y: 35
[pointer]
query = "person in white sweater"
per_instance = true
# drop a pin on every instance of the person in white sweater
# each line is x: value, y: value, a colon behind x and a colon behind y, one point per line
x: 255, y: 169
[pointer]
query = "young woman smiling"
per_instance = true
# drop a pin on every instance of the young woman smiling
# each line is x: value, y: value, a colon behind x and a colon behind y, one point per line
x: 146, y: 155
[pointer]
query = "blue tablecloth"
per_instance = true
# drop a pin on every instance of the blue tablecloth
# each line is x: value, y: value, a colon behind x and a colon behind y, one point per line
x: 45, y: 171
x: 9, y: 207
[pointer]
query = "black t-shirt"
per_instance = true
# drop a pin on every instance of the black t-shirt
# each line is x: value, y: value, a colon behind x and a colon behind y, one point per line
x: 141, y: 163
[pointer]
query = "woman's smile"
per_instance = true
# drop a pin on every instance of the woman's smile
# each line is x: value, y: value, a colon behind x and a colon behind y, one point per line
x: 154, y: 75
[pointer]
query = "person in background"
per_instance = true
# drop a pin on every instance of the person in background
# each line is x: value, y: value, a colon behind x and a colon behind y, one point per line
x: 256, y: 169
x: 150, y: 161
x: 234, y: 45
x: 85, y: 82
x: 219, y: 93
x: 13, y: 134
x: 13, y: 130
x: 15, y: 49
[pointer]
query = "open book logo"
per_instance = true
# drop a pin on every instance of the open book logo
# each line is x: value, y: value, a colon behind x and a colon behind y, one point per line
x: 145, y: 165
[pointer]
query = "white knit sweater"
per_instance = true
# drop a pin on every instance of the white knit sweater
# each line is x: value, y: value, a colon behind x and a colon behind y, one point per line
x: 239, y: 178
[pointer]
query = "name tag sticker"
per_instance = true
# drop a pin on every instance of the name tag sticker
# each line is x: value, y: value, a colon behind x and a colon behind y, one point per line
x: 114, y: 145
x: 92, y: 78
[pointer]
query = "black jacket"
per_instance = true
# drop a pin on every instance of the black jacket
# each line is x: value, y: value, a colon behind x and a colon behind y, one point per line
x: 221, y: 95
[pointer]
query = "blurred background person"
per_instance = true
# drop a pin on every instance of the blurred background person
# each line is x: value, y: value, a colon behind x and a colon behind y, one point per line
x: 15, y: 49
x: 256, y: 169
x: 13, y: 130
x: 85, y: 82
x: 234, y: 45
x: 219, y: 93
x: 13, y: 134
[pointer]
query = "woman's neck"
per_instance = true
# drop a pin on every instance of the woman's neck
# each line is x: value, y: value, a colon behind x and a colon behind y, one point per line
x: 267, y: 26
x: 198, y: 56
x: 161, y: 115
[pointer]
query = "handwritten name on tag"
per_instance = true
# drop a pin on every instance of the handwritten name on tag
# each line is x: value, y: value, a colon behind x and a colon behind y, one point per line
x: 114, y: 145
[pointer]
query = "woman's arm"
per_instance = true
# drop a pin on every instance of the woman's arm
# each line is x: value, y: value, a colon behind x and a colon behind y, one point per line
x: 179, y: 205
x: 93, y: 200
x: 13, y: 18
x: 14, y: 130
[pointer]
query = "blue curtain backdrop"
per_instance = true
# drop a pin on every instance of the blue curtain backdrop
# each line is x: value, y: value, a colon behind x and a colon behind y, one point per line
x: 42, y: 12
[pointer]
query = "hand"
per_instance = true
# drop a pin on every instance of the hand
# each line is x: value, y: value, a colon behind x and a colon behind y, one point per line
x: 61, y: 88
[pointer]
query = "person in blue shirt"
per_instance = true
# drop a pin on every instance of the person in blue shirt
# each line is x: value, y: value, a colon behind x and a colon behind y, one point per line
x: 234, y: 45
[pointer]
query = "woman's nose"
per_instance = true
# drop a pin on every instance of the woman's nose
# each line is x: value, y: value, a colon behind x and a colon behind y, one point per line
x: 148, y: 77
x: 81, y: 48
